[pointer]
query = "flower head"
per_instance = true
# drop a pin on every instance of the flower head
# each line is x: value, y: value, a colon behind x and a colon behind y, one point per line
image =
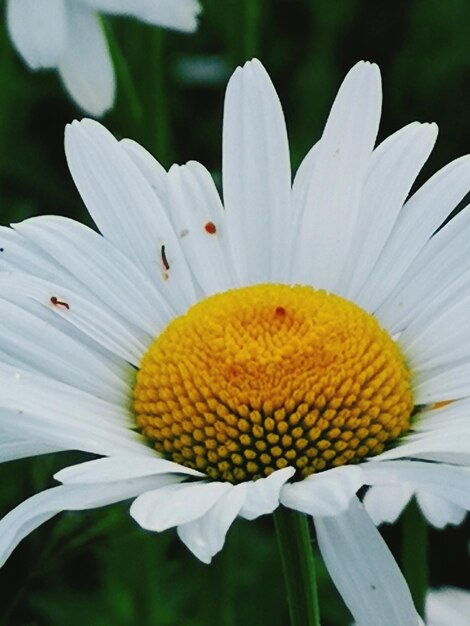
x: 67, y: 35
x: 288, y: 347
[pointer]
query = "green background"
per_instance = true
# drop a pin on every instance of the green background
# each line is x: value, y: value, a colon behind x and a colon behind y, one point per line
x: 98, y: 567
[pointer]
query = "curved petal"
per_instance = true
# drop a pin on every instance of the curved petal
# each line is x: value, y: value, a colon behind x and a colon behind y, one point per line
x: 326, y: 493
x: 439, y: 511
x: 329, y: 217
x: 38, y: 30
x: 14, y: 447
x: 256, y: 175
x: 33, y: 512
x: 386, y: 502
x: 263, y: 495
x: 364, y: 570
x: 117, y: 468
x: 164, y: 508
x: 85, y: 67
x: 205, y: 536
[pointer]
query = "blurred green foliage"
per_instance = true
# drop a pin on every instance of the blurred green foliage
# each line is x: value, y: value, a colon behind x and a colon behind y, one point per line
x: 97, y: 567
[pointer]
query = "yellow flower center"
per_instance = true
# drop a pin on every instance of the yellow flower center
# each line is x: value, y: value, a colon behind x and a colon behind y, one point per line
x: 258, y: 378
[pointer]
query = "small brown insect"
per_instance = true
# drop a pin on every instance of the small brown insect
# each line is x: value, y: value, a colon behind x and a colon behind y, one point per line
x: 166, y: 265
x: 280, y: 311
x: 210, y: 228
x: 60, y: 303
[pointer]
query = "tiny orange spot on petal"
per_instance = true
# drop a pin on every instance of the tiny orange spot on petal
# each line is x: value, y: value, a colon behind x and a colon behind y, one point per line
x: 210, y: 228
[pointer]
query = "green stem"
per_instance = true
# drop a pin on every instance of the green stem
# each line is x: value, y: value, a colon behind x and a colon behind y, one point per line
x: 299, y: 567
x: 415, y: 554
x: 157, y: 109
x: 126, y: 86
x: 252, y: 28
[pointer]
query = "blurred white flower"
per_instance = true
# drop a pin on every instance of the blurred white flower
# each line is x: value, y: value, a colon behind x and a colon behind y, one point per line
x: 448, y: 606
x: 67, y: 35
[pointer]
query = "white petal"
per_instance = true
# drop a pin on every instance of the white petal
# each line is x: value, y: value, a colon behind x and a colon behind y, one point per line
x: 444, y: 481
x: 14, y: 447
x: 93, y: 319
x: 326, y: 493
x: 205, y: 536
x: 126, y: 209
x: 177, y: 14
x: 453, y: 448
x: 85, y: 67
x: 263, y: 495
x: 148, y: 165
x: 104, y: 271
x: 439, y: 511
x: 20, y: 254
x: 394, y: 165
x: 386, y: 502
x: 440, y: 335
x: 421, y: 216
x: 364, y: 570
x: 443, y: 419
x: 126, y: 7
x: 256, y: 174
x: 47, y: 411
x: 33, y: 512
x: 447, y: 381
x: 38, y: 345
x: 116, y: 468
x: 194, y: 203
x: 447, y: 607
x: 443, y: 259
x: 329, y: 217
x: 175, y: 505
x: 38, y: 30
x: 299, y: 196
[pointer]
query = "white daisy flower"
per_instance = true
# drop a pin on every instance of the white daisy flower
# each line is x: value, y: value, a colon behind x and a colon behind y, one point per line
x: 448, y: 606
x: 287, y: 347
x: 67, y: 35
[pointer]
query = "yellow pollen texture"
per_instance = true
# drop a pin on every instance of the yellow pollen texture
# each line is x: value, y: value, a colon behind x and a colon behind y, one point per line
x: 255, y: 379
